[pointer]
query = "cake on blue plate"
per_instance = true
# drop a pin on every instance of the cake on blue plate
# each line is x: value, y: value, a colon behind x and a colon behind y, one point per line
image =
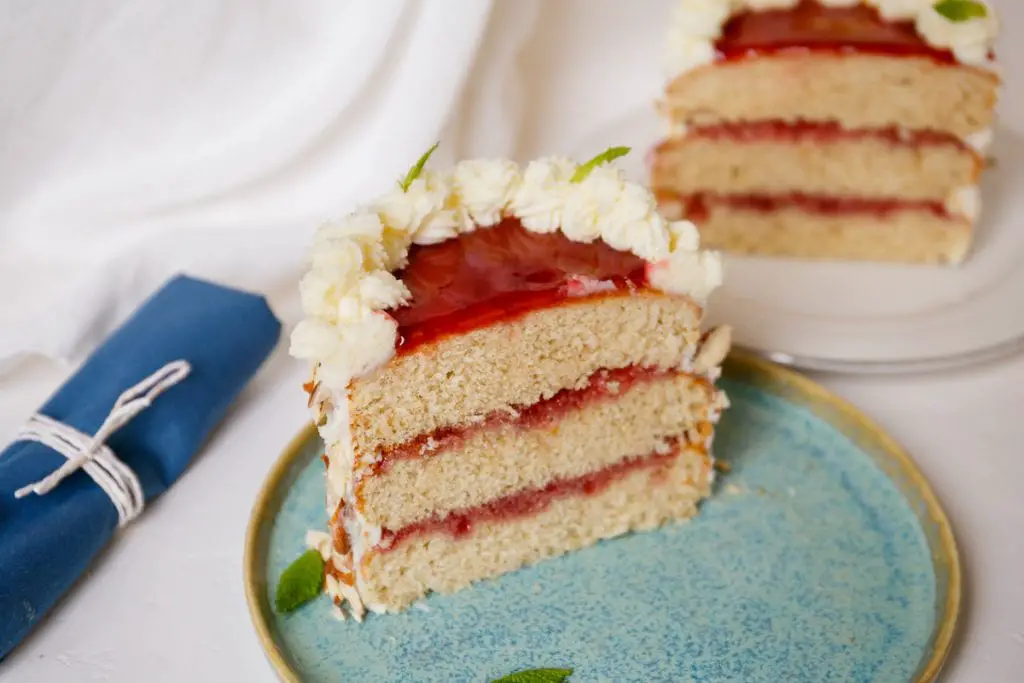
x: 506, y: 365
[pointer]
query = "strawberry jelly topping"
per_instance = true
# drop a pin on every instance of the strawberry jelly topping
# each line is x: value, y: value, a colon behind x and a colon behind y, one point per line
x: 499, y: 273
x: 602, y: 385
x: 698, y: 206
x: 460, y: 523
x: 813, y: 26
x: 820, y: 131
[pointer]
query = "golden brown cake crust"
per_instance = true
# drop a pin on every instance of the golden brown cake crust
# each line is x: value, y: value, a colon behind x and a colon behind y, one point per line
x: 643, y: 499
x: 517, y: 363
x: 844, y: 166
x: 498, y: 461
x: 857, y: 90
x: 907, y: 236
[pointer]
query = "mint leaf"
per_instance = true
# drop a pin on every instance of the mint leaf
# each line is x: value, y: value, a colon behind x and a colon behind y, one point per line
x: 610, y: 154
x: 537, y: 676
x: 300, y: 582
x: 417, y: 169
x: 961, y: 10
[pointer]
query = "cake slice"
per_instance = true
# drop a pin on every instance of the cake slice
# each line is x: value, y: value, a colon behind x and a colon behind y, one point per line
x: 829, y: 129
x: 507, y: 364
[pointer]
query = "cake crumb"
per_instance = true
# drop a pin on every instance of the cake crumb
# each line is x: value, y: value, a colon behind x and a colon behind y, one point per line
x: 510, y: 411
x: 320, y: 542
x: 421, y: 606
x: 733, y: 489
x: 722, y: 466
x: 714, y: 349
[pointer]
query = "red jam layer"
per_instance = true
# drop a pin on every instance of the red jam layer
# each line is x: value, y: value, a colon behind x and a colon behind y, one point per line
x: 698, y: 206
x: 602, y: 385
x: 499, y: 273
x: 525, y: 503
x: 822, y: 132
x: 813, y: 26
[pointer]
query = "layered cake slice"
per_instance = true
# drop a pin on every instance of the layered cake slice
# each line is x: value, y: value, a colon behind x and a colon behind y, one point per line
x: 829, y: 129
x: 507, y: 364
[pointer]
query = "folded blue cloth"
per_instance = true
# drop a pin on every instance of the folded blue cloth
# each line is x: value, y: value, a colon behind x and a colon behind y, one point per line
x: 48, y: 541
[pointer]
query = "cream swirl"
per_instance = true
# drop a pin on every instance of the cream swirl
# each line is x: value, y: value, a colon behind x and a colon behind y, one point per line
x: 486, y: 187
x: 352, y: 284
x: 900, y: 10
x: 697, y: 24
x: 970, y: 41
x: 542, y: 193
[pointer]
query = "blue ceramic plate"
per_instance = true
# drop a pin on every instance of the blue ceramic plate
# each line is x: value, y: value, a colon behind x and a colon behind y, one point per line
x: 822, y: 556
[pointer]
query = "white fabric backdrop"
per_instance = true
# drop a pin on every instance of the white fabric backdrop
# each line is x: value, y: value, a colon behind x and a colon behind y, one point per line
x: 212, y: 135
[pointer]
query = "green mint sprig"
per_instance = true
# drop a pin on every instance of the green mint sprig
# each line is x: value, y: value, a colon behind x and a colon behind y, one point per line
x: 610, y: 154
x: 961, y: 10
x: 417, y: 169
x: 537, y: 676
x: 300, y: 582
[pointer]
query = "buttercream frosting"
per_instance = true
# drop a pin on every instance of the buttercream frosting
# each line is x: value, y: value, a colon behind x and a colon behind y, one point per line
x: 965, y: 201
x: 697, y: 24
x: 981, y: 141
x: 970, y: 41
x: 351, y: 283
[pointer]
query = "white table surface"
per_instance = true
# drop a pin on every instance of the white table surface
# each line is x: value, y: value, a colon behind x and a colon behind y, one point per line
x: 166, y: 603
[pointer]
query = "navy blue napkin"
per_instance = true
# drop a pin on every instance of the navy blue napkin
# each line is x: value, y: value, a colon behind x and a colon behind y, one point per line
x: 47, y: 542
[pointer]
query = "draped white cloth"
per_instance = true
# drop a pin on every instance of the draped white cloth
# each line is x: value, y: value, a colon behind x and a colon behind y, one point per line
x: 211, y: 136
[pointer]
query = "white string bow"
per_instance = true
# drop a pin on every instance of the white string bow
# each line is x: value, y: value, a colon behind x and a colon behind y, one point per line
x: 91, y: 454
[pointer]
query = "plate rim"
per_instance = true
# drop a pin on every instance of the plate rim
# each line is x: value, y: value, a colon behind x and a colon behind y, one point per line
x: 753, y: 368
x: 256, y: 537
x: 993, y: 353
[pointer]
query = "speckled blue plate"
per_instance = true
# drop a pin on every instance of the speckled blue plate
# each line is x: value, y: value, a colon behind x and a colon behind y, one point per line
x: 822, y: 556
